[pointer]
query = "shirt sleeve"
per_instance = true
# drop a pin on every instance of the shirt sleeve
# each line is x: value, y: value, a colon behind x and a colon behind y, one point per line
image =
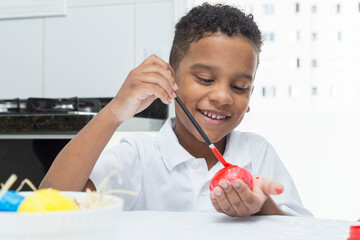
x: 123, y: 159
x: 270, y: 166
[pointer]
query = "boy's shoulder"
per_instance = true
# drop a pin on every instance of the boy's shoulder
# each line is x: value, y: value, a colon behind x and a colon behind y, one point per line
x: 253, y: 141
x: 139, y: 137
x: 253, y: 148
x: 249, y: 137
x: 141, y: 143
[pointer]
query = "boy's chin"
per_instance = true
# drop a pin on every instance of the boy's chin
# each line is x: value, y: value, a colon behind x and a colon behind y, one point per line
x: 213, y: 138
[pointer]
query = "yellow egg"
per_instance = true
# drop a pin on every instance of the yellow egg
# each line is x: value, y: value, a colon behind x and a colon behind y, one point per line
x: 47, y: 200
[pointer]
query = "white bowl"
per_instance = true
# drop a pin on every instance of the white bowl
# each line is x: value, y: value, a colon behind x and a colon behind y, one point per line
x: 100, y: 223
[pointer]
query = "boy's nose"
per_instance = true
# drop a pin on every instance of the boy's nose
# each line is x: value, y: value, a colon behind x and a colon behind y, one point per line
x: 221, y: 95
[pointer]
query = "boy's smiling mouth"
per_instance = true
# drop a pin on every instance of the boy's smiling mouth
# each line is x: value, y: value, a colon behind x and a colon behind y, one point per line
x: 214, y: 115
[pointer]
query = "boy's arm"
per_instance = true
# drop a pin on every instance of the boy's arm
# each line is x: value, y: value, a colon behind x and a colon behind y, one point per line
x: 72, y: 167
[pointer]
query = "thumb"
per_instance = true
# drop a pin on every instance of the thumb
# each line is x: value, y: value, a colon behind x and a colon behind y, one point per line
x: 270, y: 187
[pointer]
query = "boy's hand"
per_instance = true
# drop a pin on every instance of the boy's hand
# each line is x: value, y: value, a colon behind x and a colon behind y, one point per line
x: 237, y: 200
x: 150, y: 80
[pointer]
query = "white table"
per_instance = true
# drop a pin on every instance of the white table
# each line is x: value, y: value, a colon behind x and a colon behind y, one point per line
x: 194, y: 225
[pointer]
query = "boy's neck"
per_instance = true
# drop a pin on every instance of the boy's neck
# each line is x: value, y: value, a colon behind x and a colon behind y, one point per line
x: 197, y: 148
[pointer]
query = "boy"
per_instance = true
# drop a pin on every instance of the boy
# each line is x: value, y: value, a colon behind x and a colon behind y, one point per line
x: 213, y: 62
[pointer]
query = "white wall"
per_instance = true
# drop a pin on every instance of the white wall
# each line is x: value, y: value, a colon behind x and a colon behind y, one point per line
x: 87, y: 53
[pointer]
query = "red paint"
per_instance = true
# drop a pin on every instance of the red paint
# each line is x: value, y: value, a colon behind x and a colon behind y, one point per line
x: 354, y: 233
x: 231, y: 173
x: 219, y: 156
x: 278, y: 190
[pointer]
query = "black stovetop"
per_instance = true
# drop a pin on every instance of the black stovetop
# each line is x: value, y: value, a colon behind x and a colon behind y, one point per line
x: 52, y: 105
x: 59, y: 114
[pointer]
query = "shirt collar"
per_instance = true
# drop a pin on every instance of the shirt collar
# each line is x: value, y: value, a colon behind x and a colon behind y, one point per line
x: 174, y: 154
x: 171, y: 150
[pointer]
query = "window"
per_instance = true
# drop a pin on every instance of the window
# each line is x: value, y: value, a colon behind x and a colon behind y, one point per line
x: 269, y: 36
x: 269, y: 91
x: 297, y: 7
x: 313, y: 8
x: 338, y: 8
x: 314, y: 63
x: 294, y: 35
x: 268, y: 9
x: 298, y: 63
x: 314, y: 91
x: 295, y: 91
x: 314, y: 36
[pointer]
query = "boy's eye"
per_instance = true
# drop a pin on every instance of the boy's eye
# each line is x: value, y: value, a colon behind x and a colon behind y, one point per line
x: 204, y: 80
x: 240, y: 89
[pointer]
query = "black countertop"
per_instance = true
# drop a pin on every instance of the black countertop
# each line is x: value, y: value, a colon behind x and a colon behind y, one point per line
x: 72, y: 122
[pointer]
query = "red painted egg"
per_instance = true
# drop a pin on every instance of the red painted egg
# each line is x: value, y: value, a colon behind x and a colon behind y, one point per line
x: 232, y: 173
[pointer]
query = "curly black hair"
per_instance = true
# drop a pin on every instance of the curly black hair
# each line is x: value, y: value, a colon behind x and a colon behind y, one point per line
x: 205, y: 20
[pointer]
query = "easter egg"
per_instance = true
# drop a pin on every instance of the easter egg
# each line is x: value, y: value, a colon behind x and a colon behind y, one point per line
x: 47, y: 200
x: 10, y: 201
x: 231, y: 173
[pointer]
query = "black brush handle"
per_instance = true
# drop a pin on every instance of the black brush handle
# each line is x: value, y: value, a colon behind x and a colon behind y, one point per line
x: 193, y: 121
x: 202, y: 133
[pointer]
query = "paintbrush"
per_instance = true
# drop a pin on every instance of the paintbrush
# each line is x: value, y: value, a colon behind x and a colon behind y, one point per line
x: 202, y: 133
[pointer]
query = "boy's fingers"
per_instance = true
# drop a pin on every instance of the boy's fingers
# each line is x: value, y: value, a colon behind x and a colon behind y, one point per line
x: 215, y: 203
x: 246, y: 195
x: 172, y: 72
x: 223, y: 202
x: 153, y: 78
x: 153, y: 61
x: 157, y: 91
x: 232, y: 195
x: 243, y: 191
x: 166, y: 74
x: 270, y: 187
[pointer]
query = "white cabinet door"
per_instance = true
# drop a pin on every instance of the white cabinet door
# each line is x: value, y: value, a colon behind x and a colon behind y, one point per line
x: 21, y: 58
x: 154, y: 29
x: 90, y: 52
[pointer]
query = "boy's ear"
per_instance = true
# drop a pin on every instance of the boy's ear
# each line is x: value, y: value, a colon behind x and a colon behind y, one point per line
x: 252, y: 89
x: 248, y: 109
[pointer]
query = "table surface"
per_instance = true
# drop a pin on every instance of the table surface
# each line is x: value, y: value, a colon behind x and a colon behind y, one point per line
x: 194, y: 225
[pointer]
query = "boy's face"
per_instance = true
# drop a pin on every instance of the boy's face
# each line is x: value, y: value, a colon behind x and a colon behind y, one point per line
x: 215, y: 80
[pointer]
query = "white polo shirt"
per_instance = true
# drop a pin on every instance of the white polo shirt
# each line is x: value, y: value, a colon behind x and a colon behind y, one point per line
x: 167, y: 178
